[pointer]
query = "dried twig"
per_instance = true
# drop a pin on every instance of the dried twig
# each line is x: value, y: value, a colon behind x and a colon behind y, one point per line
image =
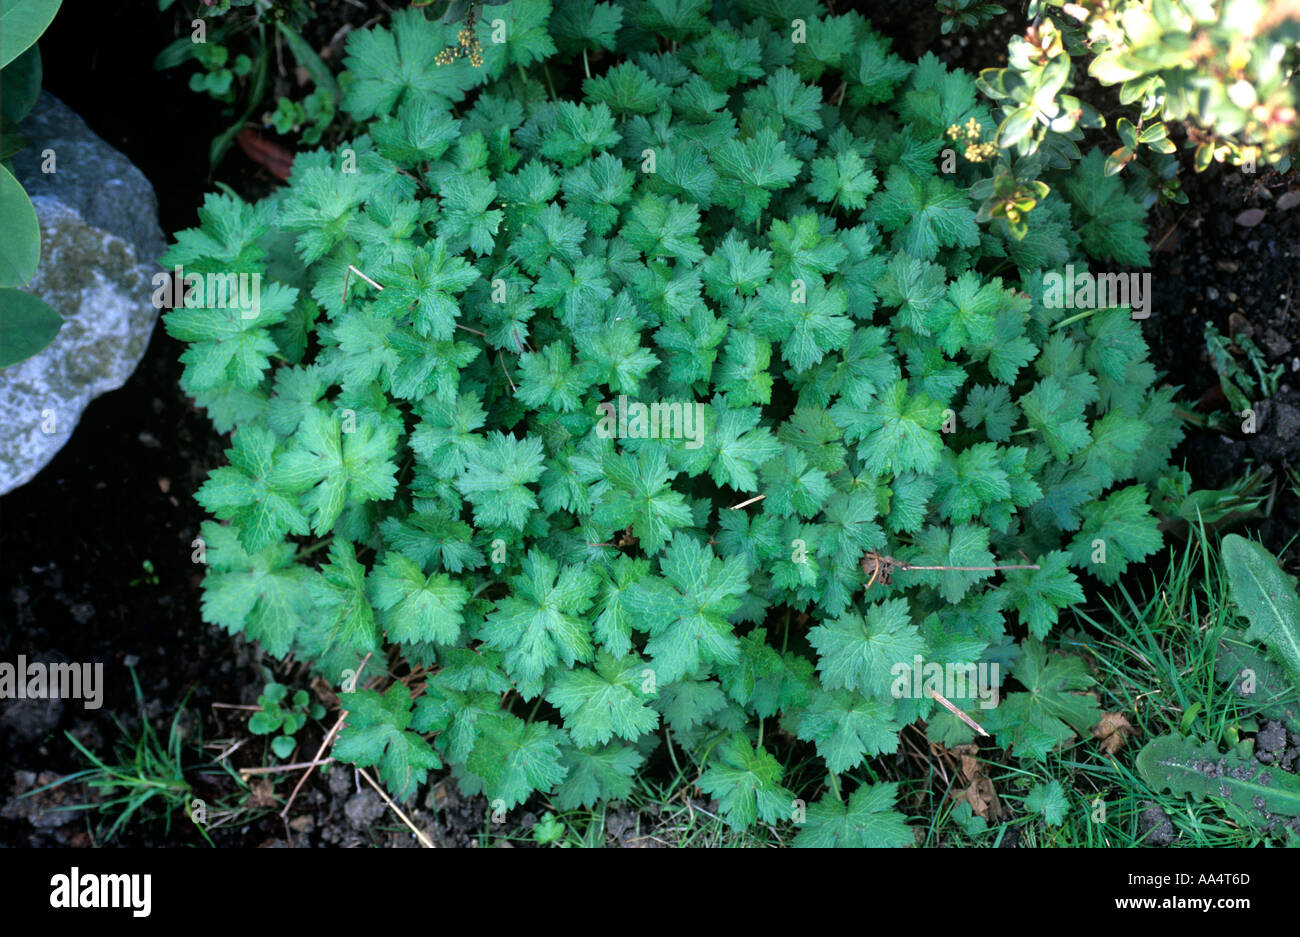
x: 744, y: 504
x: 320, y: 751
x: 419, y: 833
x: 276, y: 769
x: 880, y: 567
x: 348, y: 276
x: 323, y: 745
x: 228, y: 751
x: 935, y: 694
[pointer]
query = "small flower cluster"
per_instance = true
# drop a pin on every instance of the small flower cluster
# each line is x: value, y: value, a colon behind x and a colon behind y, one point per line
x: 976, y: 151
x: 468, y: 45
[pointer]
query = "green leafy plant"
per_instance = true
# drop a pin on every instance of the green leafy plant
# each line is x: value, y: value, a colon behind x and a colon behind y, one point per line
x: 27, y: 323
x: 959, y: 13
x: 1185, y: 766
x: 1047, y: 800
x: 1267, y: 685
x: 1267, y: 597
x: 874, y: 443
x: 220, y: 71
x: 1239, y: 385
x: 284, y: 715
x: 234, y: 43
x: 1264, y: 687
x: 1222, y: 74
x: 150, y: 574
x: 549, y: 831
x: 311, y: 117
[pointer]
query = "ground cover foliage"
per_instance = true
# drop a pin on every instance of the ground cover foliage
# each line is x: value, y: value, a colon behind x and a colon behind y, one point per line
x: 754, y: 209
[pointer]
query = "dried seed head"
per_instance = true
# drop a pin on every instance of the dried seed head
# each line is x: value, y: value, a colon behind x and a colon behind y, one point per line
x: 878, y: 568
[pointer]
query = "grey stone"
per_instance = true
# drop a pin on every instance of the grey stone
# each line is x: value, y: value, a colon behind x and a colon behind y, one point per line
x: 101, y: 184
x: 31, y: 719
x: 1271, y: 738
x: 1155, y: 827
x: 39, y: 810
x: 100, y: 242
x: 364, y: 809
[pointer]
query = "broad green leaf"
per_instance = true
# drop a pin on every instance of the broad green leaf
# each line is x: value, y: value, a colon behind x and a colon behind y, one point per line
x: 1267, y: 597
x: 867, y: 820
x: 515, y: 758
x: 605, y: 701
x: 747, y: 783
x: 1186, y: 766
x: 543, y: 620
x: 685, y: 610
x: 20, y: 244
x: 21, y: 24
x: 858, y: 653
x: 1049, y: 801
x: 27, y: 325
x: 1054, y: 707
x: 413, y: 606
x: 21, y: 84
x: 375, y: 733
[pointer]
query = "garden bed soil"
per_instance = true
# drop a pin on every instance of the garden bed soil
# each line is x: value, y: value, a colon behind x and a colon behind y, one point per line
x: 74, y: 541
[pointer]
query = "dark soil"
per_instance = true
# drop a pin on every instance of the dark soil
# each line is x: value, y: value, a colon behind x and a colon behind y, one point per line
x: 1208, y: 268
x: 1155, y: 827
x: 74, y: 540
x: 121, y: 491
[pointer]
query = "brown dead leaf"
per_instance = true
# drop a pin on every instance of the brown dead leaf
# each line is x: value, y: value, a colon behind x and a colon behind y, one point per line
x: 979, y: 791
x: 626, y: 538
x: 277, y: 160
x: 263, y: 795
x: 1113, y: 731
x: 1250, y: 217
x: 983, y: 799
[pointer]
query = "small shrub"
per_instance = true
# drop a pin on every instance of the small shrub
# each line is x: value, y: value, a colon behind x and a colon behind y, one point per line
x: 1223, y: 72
x: 442, y: 467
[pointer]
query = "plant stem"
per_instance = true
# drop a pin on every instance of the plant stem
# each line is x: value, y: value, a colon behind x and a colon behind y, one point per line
x: 970, y: 568
x: 835, y: 786
x: 315, y: 546
x: 672, y: 752
x: 1072, y: 319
